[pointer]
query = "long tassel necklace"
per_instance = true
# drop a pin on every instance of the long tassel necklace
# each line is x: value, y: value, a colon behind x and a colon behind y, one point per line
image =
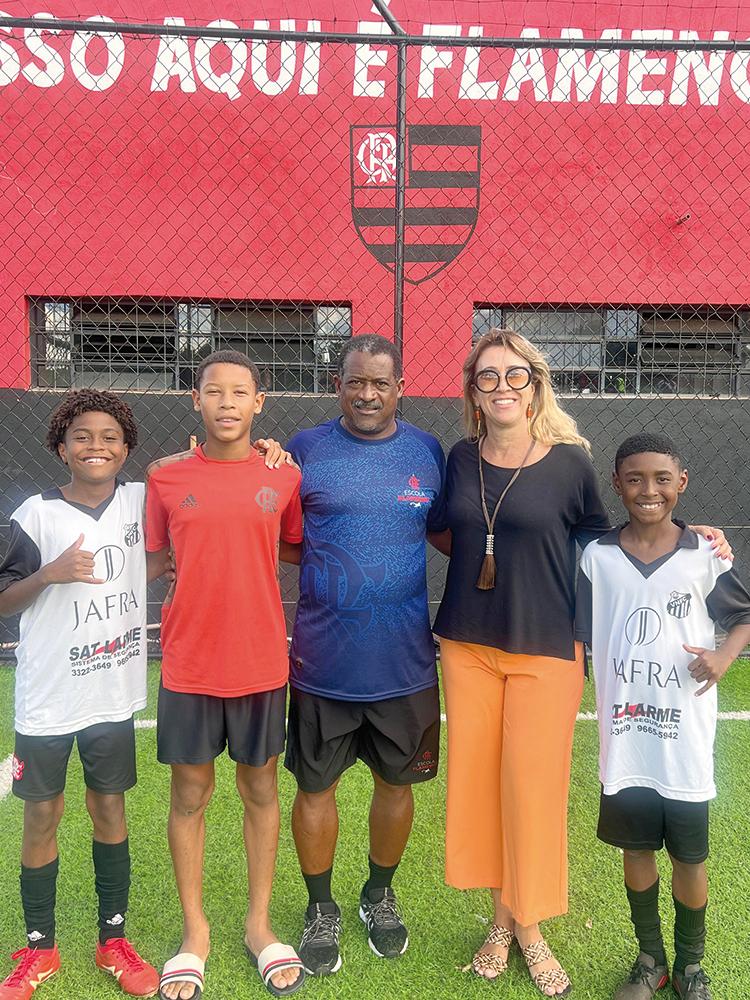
x: 487, y: 574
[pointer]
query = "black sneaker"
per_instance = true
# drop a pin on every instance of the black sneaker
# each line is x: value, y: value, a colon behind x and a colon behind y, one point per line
x: 386, y: 931
x: 692, y: 984
x: 646, y: 979
x: 319, y: 947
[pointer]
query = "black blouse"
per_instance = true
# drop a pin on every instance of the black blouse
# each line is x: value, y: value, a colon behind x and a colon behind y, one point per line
x: 552, y: 505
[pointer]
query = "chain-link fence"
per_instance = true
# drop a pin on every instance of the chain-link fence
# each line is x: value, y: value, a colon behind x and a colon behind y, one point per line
x: 171, y: 188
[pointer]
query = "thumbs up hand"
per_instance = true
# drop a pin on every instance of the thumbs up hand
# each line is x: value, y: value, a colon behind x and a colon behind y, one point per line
x: 74, y: 565
x: 708, y: 667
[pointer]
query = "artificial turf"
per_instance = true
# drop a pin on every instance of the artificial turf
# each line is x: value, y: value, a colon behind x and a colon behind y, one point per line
x: 593, y: 940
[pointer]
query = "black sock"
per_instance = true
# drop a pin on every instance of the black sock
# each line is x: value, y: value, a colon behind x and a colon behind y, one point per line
x: 380, y: 877
x: 38, y: 894
x: 644, y: 912
x: 319, y: 887
x: 689, y: 935
x: 112, y: 879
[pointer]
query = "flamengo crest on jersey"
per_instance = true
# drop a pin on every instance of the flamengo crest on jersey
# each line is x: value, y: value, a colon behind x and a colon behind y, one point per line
x: 653, y: 731
x: 82, y: 647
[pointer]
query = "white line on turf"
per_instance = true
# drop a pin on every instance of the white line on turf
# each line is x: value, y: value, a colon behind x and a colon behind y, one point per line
x: 6, y: 779
x: 722, y: 717
x: 6, y: 765
x: 581, y: 717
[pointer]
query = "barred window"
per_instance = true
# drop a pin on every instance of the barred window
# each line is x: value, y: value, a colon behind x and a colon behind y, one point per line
x: 151, y: 344
x: 693, y: 351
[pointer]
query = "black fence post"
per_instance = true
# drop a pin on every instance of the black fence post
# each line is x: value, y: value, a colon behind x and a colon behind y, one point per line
x: 398, y: 300
x: 401, y: 94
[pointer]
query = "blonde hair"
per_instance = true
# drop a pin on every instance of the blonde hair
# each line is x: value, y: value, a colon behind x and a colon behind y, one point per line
x: 549, y: 423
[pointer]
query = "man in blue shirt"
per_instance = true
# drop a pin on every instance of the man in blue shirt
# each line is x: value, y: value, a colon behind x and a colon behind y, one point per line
x: 363, y: 678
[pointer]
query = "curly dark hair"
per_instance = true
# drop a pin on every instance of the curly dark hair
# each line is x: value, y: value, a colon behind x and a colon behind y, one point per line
x: 80, y: 401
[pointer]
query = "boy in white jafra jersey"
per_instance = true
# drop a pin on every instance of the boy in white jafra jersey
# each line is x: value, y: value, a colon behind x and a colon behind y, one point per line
x: 76, y: 570
x: 648, y: 596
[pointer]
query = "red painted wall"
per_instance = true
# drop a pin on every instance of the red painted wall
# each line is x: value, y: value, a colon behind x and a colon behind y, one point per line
x: 129, y: 189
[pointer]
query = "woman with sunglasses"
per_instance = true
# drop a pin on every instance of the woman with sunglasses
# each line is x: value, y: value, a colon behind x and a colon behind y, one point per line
x: 521, y: 492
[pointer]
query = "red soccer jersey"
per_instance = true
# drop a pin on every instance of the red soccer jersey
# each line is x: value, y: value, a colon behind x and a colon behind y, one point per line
x: 223, y: 631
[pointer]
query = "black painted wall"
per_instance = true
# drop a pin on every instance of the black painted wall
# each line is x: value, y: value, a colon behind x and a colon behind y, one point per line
x: 713, y: 433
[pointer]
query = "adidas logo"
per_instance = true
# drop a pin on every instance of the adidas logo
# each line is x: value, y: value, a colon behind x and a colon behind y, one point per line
x: 116, y: 920
x: 189, y: 502
x: 35, y: 936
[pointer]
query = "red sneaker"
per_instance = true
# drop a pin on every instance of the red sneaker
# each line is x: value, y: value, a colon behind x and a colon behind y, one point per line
x: 136, y: 977
x: 34, y: 966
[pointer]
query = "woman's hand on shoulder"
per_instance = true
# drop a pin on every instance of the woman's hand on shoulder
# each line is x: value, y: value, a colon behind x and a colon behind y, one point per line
x: 721, y: 547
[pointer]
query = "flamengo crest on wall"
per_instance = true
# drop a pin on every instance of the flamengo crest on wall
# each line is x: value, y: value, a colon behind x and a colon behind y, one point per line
x: 442, y: 193
x: 158, y: 166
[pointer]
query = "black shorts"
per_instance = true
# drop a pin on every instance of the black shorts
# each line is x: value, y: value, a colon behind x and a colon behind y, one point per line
x: 195, y: 728
x: 107, y: 752
x: 399, y: 738
x: 640, y: 819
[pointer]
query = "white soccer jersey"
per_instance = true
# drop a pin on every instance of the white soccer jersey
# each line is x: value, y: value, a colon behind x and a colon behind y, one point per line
x: 82, y: 647
x: 653, y: 731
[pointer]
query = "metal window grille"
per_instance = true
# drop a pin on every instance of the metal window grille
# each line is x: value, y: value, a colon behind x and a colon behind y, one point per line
x: 148, y: 344
x: 682, y: 352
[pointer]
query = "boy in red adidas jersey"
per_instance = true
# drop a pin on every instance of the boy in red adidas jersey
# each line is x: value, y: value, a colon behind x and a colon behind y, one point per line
x: 76, y: 570
x: 225, y: 662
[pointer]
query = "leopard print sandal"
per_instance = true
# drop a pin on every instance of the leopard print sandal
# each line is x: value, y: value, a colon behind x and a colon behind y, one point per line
x: 536, y: 953
x: 485, y: 961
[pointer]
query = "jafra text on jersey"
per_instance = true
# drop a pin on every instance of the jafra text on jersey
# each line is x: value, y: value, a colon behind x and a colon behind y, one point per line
x: 645, y: 672
x: 105, y: 608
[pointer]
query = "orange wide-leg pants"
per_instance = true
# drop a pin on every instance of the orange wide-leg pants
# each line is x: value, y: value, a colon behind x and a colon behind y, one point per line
x: 510, y: 739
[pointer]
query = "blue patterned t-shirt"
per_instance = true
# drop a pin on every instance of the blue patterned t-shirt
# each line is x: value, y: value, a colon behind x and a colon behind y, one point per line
x: 362, y: 631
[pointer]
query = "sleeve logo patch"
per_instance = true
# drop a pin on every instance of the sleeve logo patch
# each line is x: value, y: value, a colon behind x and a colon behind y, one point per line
x: 16, y: 768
